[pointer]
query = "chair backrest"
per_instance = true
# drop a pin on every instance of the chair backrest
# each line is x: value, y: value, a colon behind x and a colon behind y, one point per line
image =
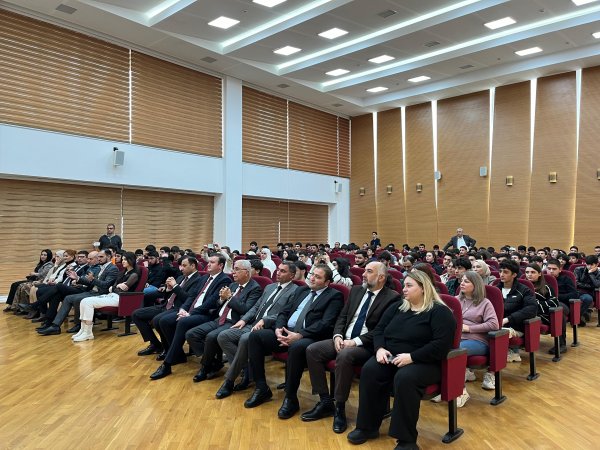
x: 495, y: 273
x: 454, y: 305
x: 551, y: 281
x: 276, y: 259
x: 524, y: 281
x: 274, y: 275
x: 265, y: 272
x: 299, y: 282
x: 572, y: 267
x: 494, y: 295
x: 492, y: 262
x: 262, y: 281
x: 441, y: 287
x: 356, y: 280
x: 343, y: 289
x: 396, y: 274
x: 358, y: 271
x: 397, y: 285
x: 436, y: 277
x: 237, y: 258
x: 142, y: 280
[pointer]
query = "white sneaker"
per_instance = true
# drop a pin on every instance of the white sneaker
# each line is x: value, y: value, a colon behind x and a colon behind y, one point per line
x: 470, y: 375
x: 513, y: 356
x: 86, y: 334
x: 437, y: 399
x: 463, y: 398
x: 489, y: 381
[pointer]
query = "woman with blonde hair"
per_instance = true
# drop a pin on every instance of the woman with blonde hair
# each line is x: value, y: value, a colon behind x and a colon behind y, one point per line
x: 484, y: 272
x: 410, y: 343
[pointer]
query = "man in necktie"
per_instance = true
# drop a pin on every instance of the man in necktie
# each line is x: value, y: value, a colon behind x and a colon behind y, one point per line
x: 234, y: 301
x: 263, y: 314
x: 352, y: 345
x: 307, y: 318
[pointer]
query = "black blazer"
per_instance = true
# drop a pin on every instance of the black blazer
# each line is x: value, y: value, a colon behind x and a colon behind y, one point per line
x: 320, y: 318
x: 211, y: 297
x: 104, y: 281
x: 454, y: 239
x: 241, y: 304
x: 192, y: 287
x: 384, y: 299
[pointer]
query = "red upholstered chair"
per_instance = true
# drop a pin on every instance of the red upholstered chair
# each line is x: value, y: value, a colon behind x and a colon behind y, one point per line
x: 572, y: 267
x: 495, y: 273
x: 274, y: 275
x: 492, y: 263
x: 396, y: 274
x: 356, y: 280
x: 276, y: 259
x: 574, y: 309
x: 128, y: 303
x: 237, y: 258
x: 358, y: 271
x: 299, y: 283
x: 556, y: 318
x: 397, y: 286
x: 345, y: 290
x: 265, y: 273
x: 262, y: 281
x: 441, y: 287
x: 495, y: 361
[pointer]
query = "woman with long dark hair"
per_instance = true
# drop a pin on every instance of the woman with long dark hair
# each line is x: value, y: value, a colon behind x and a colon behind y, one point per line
x: 38, y: 273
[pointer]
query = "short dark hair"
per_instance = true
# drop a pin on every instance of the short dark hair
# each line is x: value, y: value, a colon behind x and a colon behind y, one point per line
x: 522, y: 248
x: 325, y: 268
x: 150, y: 247
x: 253, y: 243
x: 591, y: 259
x: 83, y: 252
x: 463, y: 262
x: 511, y: 265
x: 175, y: 249
x: 192, y: 260
x: 256, y: 264
x: 107, y: 252
x: 361, y: 252
x: 385, y: 255
x: 152, y: 253
x: 221, y: 258
x: 553, y: 261
x: 291, y: 266
x: 300, y: 265
x: 138, y: 252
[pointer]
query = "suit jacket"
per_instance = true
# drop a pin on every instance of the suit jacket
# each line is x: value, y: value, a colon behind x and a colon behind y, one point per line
x: 384, y: 299
x: 104, y: 281
x: 241, y: 304
x: 276, y: 307
x: 192, y: 287
x: 320, y: 318
x: 211, y: 296
x: 454, y: 239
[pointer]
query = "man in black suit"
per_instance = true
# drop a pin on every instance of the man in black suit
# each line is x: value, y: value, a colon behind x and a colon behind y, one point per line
x: 195, y: 311
x: 234, y: 301
x: 308, y: 318
x: 176, y: 292
x: 352, y: 345
x: 460, y: 240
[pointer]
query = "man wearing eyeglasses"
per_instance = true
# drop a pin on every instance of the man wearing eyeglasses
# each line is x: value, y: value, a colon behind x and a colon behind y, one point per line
x: 110, y: 239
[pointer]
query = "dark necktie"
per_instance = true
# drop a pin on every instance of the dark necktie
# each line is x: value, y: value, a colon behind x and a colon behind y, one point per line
x: 264, y: 308
x: 223, y: 317
x: 362, y: 316
x: 300, y: 322
x: 196, y: 303
x: 173, y: 295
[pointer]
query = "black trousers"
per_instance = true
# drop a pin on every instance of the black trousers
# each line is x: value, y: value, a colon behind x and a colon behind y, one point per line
x: 174, y: 331
x: 409, y: 383
x: 144, y: 319
x: 264, y: 342
x: 203, y: 341
x: 13, y: 291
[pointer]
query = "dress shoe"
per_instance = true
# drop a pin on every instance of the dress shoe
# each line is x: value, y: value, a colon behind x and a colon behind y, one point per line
x: 214, y: 371
x: 9, y: 308
x: 242, y: 385
x: 163, y: 371
x: 150, y: 350
x: 74, y: 329
x: 44, y: 325
x: 32, y: 315
x: 321, y: 410
x: 40, y: 319
x: 52, y: 329
x: 200, y: 376
x: 289, y: 407
x: 25, y: 307
x: 225, y: 390
x: 258, y: 397
x: 339, y: 420
x: 358, y: 436
x: 161, y: 356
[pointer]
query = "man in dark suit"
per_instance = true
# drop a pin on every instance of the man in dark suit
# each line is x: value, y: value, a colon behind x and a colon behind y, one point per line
x: 460, y: 240
x: 352, y: 345
x: 263, y: 314
x: 195, y: 311
x: 97, y: 285
x: 176, y: 292
x: 307, y: 318
x: 234, y: 301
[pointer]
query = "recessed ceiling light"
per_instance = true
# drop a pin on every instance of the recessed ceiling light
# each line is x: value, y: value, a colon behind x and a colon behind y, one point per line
x: 419, y: 79
x: 381, y: 59
x: 333, y: 33
x: 377, y: 89
x: 268, y: 3
x: 223, y: 22
x: 582, y: 2
x: 529, y: 51
x: 287, y: 50
x: 596, y: 34
x: 337, y: 72
x: 495, y: 24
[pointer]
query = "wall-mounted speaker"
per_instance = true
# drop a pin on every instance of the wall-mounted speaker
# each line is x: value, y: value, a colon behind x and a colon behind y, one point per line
x: 118, y: 157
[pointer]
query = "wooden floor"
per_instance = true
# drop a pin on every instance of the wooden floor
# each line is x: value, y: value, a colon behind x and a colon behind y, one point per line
x: 95, y: 395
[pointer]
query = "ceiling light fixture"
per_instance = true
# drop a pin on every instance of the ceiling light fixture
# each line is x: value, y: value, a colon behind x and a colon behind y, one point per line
x: 495, y: 24
x: 381, y: 59
x: 377, y: 89
x: 419, y: 79
x: 528, y: 51
x: 268, y: 3
x: 223, y: 22
x: 333, y: 33
x: 337, y: 72
x: 582, y: 2
x: 287, y: 50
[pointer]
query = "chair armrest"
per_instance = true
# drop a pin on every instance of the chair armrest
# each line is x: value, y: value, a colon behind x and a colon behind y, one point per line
x: 575, y: 311
x: 498, y: 342
x: 597, y: 298
x: 556, y: 320
x: 129, y: 302
x: 453, y: 373
x: 532, y: 334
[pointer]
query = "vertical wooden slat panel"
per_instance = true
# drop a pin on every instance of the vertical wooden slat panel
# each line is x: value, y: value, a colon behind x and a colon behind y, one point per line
x: 344, y: 147
x: 260, y: 222
x: 391, y: 217
x: 304, y: 222
x: 552, y: 206
x: 588, y: 186
x: 363, y: 213
x: 463, y: 147
x: 421, y: 213
x: 509, y: 205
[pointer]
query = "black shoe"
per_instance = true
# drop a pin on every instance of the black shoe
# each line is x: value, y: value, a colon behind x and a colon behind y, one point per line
x: 52, y: 329
x: 225, y: 390
x: 32, y: 315
x: 582, y: 322
x: 281, y: 386
x: 40, y: 319
x: 258, y: 397
x: 289, y: 407
x: 44, y: 325
x: 406, y: 446
x: 359, y: 436
x: 163, y: 371
x: 74, y: 329
x: 151, y: 349
x: 242, y: 385
x: 339, y: 420
x: 214, y: 371
x: 9, y: 308
x: 200, y: 376
x: 161, y: 356
x: 25, y: 307
x: 321, y: 410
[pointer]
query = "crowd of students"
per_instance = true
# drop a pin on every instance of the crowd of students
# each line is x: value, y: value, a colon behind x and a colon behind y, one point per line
x: 392, y: 322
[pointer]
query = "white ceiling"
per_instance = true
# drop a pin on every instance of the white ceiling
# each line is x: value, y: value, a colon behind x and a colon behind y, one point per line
x: 442, y: 39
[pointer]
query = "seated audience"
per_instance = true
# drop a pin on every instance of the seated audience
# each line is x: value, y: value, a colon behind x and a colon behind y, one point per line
x: 588, y: 280
x: 265, y: 257
x: 38, y: 273
x: 461, y: 265
x: 567, y: 289
x: 340, y: 268
x: 483, y: 270
x: 360, y: 259
x: 430, y: 259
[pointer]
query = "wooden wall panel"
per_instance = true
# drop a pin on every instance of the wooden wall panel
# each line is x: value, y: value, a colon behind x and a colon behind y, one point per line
x: 463, y: 147
x: 166, y: 218
x: 304, y: 222
x: 554, y: 150
x: 421, y: 213
x: 588, y: 186
x: 391, y: 218
x: 260, y: 222
x: 363, y: 213
x: 509, y: 205
x: 37, y: 215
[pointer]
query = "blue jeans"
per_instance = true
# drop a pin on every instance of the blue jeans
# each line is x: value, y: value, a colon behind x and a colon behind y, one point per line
x: 586, y: 302
x: 474, y: 348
